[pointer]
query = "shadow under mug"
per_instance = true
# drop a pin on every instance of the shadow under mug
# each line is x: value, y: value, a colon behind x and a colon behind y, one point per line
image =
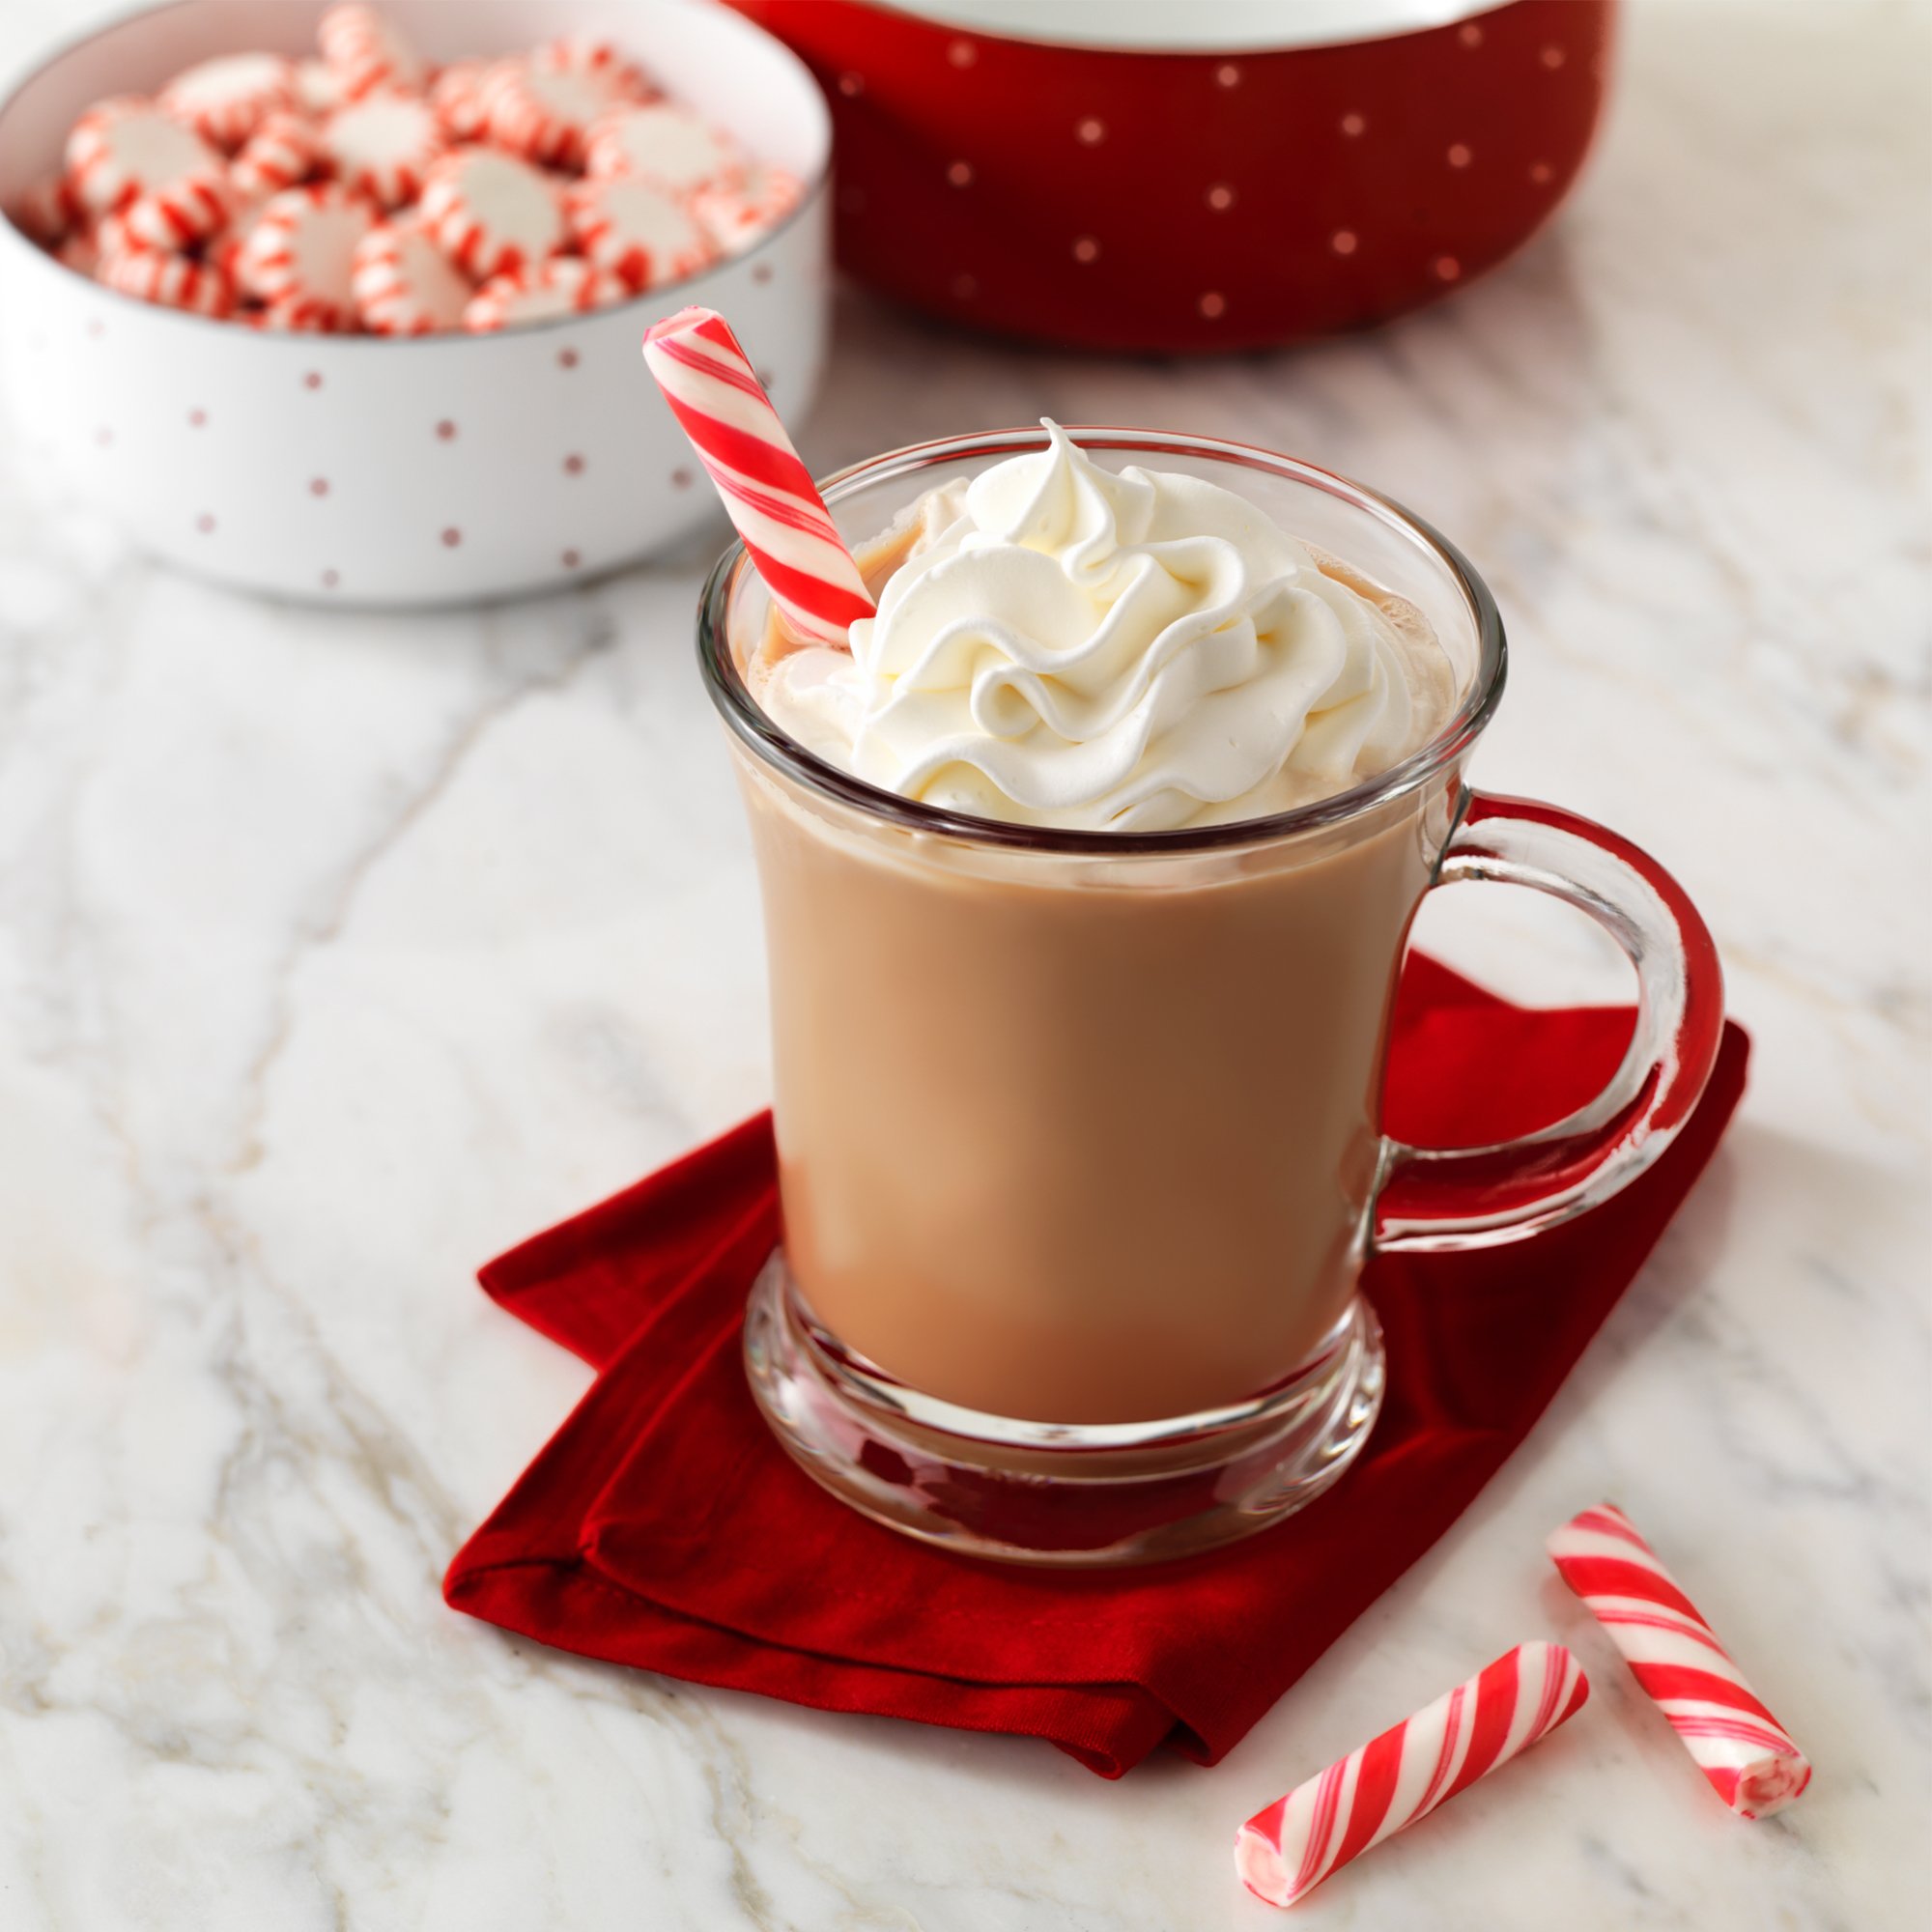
x: 1079, y: 1142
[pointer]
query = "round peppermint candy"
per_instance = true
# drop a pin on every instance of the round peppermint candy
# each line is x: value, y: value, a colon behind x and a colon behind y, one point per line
x: 292, y: 315
x: 48, y: 211
x: 637, y: 233
x: 563, y: 285
x: 225, y: 248
x: 737, y: 216
x: 404, y: 283
x: 111, y: 236
x: 669, y: 147
x: 225, y: 100
x: 365, y: 52
x: 174, y: 282
x: 456, y: 94
x: 283, y: 152
x: 383, y: 145
x: 602, y: 61
x: 81, y: 252
x: 317, y: 89
x: 300, y: 253
x: 491, y: 214
x: 544, y: 109
x: 184, y: 213
x: 126, y: 146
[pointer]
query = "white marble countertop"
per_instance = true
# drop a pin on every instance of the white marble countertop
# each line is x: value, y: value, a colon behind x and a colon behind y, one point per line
x: 337, y: 953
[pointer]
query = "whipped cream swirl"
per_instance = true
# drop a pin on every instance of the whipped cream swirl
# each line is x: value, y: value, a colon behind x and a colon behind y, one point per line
x: 1132, y: 652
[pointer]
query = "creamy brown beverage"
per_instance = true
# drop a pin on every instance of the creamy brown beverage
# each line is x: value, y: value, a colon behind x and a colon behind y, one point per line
x: 1064, y: 1137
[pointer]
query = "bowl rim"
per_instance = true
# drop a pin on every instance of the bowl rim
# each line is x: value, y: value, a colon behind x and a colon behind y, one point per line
x: 1219, y: 34
x: 309, y: 341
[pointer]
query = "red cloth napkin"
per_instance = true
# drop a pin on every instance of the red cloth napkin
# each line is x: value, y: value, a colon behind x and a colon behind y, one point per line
x: 662, y: 1526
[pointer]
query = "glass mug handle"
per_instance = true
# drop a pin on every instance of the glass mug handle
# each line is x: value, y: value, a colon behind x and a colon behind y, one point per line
x: 1432, y: 1199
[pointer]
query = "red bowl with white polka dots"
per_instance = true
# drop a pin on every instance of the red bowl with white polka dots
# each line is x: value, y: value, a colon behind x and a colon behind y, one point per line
x: 1190, y: 175
x: 388, y: 470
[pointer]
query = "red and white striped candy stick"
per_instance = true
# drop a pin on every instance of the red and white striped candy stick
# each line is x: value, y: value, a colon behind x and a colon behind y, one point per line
x: 768, y: 493
x: 1744, y: 1753
x: 1284, y: 1852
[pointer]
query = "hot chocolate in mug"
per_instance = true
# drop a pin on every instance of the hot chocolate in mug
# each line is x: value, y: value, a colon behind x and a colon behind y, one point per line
x: 1079, y: 1128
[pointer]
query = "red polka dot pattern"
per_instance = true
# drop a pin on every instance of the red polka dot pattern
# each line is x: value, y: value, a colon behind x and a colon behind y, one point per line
x: 445, y: 430
x: 1348, y: 183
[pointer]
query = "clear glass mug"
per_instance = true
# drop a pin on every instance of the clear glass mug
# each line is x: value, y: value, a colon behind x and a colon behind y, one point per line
x: 1079, y: 1142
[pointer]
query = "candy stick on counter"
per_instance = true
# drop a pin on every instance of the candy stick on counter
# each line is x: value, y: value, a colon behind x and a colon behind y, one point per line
x: 768, y: 493
x: 1747, y: 1756
x: 1282, y: 1853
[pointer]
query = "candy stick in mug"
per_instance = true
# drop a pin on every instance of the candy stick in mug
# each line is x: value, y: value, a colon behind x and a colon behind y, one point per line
x: 1745, y: 1753
x: 768, y: 493
x: 1282, y: 1853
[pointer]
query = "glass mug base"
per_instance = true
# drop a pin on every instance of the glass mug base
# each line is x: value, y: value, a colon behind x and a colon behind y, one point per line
x: 1067, y: 1495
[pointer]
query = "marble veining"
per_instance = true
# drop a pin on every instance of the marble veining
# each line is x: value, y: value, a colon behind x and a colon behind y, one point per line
x: 337, y: 953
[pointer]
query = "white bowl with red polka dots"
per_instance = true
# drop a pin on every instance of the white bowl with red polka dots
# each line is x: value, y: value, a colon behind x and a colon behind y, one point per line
x: 433, y: 469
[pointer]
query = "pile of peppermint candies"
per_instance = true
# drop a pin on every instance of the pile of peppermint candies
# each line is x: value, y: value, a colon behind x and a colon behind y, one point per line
x: 363, y: 190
